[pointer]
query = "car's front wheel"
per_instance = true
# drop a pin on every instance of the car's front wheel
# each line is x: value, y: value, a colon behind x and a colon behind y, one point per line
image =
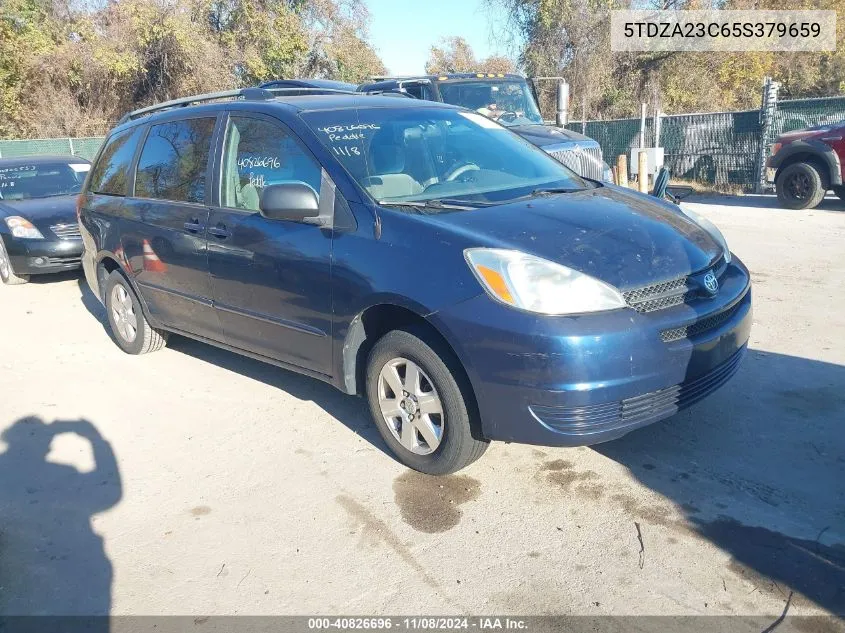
x: 130, y: 328
x: 7, y: 275
x: 421, y: 403
x: 800, y: 186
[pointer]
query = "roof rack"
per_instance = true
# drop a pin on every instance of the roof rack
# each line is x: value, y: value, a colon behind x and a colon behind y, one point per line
x: 245, y: 94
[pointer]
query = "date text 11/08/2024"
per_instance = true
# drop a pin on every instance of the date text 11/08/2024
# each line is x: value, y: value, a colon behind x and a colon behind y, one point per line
x: 419, y: 624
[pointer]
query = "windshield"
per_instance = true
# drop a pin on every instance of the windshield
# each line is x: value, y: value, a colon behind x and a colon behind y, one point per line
x: 508, y: 102
x: 41, y: 180
x: 424, y: 154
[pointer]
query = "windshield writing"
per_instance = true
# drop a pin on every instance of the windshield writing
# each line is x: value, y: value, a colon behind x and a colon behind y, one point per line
x: 422, y: 154
x: 41, y: 180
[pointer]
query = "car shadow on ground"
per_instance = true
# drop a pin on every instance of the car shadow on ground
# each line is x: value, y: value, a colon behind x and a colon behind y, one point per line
x: 762, y: 201
x: 52, y: 562
x: 67, y: 275
x: 758, y: 470
x: 349, y: 410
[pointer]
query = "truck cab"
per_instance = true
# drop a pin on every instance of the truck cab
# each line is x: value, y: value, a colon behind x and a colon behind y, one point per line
x: 508, y: 99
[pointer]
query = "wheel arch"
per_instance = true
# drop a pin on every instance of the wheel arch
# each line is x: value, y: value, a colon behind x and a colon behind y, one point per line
x: 375, y: 321
x: 106, y: 264
x: 815, y: 153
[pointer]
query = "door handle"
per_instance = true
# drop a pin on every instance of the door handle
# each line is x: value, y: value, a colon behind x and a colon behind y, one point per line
x: 219, y: 231
x: 193, y: 226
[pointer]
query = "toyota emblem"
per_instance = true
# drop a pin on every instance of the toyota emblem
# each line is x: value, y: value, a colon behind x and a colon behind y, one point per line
x: 711, y: 283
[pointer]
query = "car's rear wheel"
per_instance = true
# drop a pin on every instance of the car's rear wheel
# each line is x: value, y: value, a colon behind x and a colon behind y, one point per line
x: 130, y: 329
x: 7, y: 275
x: 421, y: 403
x: 800, y: 186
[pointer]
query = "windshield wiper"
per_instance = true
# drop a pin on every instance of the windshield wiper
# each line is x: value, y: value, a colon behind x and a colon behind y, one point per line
x: 428, y: 204
x: 553, y: 190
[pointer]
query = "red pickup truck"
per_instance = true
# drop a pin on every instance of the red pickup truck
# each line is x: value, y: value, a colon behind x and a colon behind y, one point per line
x: 806, y: 164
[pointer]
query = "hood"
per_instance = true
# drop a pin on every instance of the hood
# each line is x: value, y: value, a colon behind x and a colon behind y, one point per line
x: 542, y: 135
x: 42, y: 212
x: 622, y: 237
x: 811, y: 132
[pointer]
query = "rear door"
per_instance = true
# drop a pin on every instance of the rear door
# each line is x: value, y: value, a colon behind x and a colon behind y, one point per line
x: 271, y: 278
x: 166, y: 244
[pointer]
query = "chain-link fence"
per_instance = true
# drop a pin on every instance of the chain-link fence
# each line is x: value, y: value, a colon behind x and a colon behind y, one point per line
x: 716, y: 148
x: 84, y: 147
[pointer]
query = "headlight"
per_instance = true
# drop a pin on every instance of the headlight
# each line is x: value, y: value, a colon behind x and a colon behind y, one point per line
x: 711, y: 229
x: 537, y: 285
x: 21, y: 227
x: 606, y: 173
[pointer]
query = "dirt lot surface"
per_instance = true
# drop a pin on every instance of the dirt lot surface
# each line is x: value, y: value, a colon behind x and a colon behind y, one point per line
x: 196, y: 481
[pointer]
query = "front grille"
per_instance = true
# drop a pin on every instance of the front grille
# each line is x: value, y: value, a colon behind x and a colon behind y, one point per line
x: 667, y: 294
x: 584, y: 161
x: 66, y: 231
x: 659, y: 296
x: 638, y: 410
x: 699, y: 327
x: 59, y: 261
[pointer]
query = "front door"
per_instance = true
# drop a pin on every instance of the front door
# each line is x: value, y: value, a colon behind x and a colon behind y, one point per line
x: 271, y: 279
x: 163, y: 236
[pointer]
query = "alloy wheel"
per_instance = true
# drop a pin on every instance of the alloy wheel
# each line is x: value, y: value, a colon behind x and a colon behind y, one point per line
x: 123, y: 313
x: 799, y: 186
x: 5, y: 268
x: 411, y: 406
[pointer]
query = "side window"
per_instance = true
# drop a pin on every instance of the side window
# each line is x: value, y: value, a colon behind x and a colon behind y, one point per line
x: 111, y: 173
x: 420, y: 91
x: 174, y: 161
x: 257, y: 154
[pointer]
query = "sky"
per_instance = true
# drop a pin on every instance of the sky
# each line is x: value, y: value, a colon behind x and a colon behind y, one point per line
x: 403, y: 31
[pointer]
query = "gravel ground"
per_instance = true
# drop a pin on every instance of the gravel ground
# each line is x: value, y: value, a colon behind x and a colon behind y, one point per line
x: 195, y: 481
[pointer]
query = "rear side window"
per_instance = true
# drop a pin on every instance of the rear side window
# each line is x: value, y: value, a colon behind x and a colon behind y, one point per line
x: 111, y: 173
x: 174, y: 161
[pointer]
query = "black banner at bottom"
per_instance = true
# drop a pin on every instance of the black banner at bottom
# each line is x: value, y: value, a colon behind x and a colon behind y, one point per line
x: 422, y: 624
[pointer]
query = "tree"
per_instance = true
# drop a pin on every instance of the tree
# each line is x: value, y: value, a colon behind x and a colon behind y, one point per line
x: 73, y: 68
x: 570, y: 38
x: 455, y: 55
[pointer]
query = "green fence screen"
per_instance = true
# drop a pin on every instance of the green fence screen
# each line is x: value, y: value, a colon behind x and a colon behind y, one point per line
x: 717, y: 148
x: 84, y: 147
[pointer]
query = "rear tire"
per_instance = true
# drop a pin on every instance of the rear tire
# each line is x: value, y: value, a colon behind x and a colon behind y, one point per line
x: 800, y: 186
x: 440, y: 443
x: 129, y: 327
x: 7, y: 275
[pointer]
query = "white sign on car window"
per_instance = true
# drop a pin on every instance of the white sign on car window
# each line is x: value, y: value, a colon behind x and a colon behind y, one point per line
x: 481, y: 120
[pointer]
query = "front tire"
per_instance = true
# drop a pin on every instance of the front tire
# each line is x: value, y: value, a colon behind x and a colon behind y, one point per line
x: 800, y: 186
x: 7, y: 275
x: 421, y: 403
x: 129, y: 327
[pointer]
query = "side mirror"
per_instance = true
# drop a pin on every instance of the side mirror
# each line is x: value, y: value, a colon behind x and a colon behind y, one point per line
x: 562, y: 109
x: 293, y: 201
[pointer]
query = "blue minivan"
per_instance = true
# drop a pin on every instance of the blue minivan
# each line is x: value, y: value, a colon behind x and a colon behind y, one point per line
x: 466, y: 283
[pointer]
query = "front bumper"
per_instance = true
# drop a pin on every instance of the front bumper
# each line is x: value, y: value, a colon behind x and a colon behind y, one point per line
x: 580, y: 380
x: 34, y: 257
